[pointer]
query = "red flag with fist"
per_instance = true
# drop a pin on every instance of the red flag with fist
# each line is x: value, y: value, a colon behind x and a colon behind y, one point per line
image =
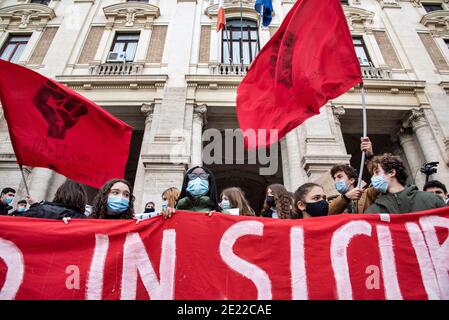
x: 52, y: 126
x: 309, y: 60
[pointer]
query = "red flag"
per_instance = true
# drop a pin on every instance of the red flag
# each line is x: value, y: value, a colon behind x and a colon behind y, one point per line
x: 54, y: 127
x: 309, y: 60
x: 221, y: 20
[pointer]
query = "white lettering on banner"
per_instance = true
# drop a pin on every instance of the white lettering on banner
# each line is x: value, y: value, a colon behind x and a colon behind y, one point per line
x: 258, y: 276
x: 339, y: 256
x: 425, y: 263
x: 388, y: 262
x: 438, y: 252
x: 73, y: 280
x: 298, y: 264
x: 13, y: 258
x: 135, y: 260
x: 95, y: 278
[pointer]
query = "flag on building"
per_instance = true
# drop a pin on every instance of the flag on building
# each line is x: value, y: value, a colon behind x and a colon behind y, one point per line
x: 52, y: 126
x: 265, y: 9
x: 309, y: 60
x: 221, y: 20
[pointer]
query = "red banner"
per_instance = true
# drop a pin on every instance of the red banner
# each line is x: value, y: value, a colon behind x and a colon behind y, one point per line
x: 193, y: 256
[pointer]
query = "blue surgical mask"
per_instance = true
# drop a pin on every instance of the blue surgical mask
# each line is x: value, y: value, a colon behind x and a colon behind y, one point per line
x: 21, y: 209
x: 164, y: 205
x: 117, y: 205
x: 341, y: 187
x: 379, y: 183
x: 225, y: 204
x: 8, y: 200
x: 198, y: 187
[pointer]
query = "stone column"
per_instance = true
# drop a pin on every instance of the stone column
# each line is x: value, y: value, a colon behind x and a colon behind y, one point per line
x: 199, y: 120
x: 40, y: 183
x: 297, y: 174
x: 147, y: 110
x: 417, y: 121
x: 413, y: 155
x: 339, y: 112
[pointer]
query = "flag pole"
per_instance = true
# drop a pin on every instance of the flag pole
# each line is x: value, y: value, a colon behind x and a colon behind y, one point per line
x: 24, y: 181
x: 241, y: 36
x: 365, y: 133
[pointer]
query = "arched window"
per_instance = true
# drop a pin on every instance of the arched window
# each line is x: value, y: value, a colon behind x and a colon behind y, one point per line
x: 234, y: 46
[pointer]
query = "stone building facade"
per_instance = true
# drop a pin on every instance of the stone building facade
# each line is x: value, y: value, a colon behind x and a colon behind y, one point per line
x: 160, y: 66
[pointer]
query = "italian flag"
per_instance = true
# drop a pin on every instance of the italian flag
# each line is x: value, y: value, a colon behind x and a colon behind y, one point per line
x: 221, y: 21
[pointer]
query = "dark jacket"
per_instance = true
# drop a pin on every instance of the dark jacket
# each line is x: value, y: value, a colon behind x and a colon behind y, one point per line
x: 408, y: 200
x: 201, y: 204
x: 51, y: 210
x: 4, y: 208
x: 17, y: 213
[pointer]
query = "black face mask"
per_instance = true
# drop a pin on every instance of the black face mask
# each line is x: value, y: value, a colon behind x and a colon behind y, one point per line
x: 149, y: 210
x: 317, y: 209
x: 271, y: 202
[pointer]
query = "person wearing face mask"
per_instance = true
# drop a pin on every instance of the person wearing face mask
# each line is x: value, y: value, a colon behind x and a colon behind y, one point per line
x: 114, y: 200
x: 21, y: 208
x: 198, y: 193
x: 69, y: 202
x: 389, y: 178
x: 310, y: 201
x: 6, y: 198
x: 234, y: 198
x: 278, y: 203
x: 351, y: 198
x: 170, y: 198
x: 149, y: 207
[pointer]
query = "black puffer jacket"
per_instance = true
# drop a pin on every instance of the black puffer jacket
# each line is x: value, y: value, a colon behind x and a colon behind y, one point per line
x: 4, y: 208
x: 52, y: 210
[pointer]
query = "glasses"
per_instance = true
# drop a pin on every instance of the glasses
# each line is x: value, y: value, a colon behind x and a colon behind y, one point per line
x: 193, y: 176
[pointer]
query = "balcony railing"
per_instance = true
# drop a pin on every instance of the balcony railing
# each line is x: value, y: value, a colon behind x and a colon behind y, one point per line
x: 375, y: 73
x: 116, y: 69
x: 236, y: 69
x: 229, y: 69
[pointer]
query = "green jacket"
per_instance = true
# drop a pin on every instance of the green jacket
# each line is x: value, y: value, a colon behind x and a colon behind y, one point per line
x: 201, y: 204
x: 408, y: 200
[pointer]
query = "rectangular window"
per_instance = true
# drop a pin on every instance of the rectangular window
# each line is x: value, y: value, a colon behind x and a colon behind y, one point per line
x: 361, y: 52
x: 46, y: 2
x: 240, y: 41
x: 13, y: 48
x: 446, y: 41
x: 345, y: 2
x: 429, y: 7
x: 127, y: 43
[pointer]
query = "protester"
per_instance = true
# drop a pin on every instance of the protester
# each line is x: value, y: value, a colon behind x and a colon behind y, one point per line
x: 170, y: 198
x: 69, y: 202
x: 310, y: 201
x: 6, y: 198
x: 21, y: 208
x: 234, y: 199
x: 149, y: 207
x: 198, y: 192
x: 115, y: 200
x: 351, y: 198
x: 389, y: 178
x: 278, y: 203
x: 438, y: 188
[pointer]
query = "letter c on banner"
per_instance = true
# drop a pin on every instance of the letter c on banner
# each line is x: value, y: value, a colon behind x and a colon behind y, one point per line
x: 13, y: 259
x: 258, y: 276
x: 339, y: 255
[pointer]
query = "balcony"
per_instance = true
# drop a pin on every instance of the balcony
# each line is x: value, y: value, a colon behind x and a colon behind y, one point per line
x: 116, y: 69
x: 229, y: 69
x: 234, y: 69
x: 375, y: 73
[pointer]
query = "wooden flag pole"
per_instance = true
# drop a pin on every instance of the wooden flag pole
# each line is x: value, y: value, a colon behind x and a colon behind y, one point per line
x: 365, y: 133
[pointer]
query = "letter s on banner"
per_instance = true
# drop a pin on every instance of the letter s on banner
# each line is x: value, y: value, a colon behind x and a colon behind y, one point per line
x: 258, y: 276
x: 13, y: 258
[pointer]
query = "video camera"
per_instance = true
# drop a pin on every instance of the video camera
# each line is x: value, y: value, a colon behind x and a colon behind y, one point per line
x: 429, y: 168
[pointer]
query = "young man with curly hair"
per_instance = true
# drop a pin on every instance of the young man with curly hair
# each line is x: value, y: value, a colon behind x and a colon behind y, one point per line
x: 389, y: 178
